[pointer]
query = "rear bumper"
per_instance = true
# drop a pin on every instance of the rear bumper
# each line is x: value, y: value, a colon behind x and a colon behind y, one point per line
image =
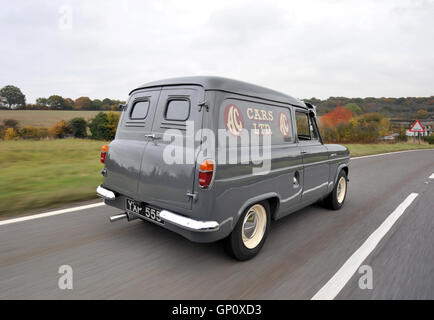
x: 192, y: 229
x: 105, y: 193
x: 187, y: 223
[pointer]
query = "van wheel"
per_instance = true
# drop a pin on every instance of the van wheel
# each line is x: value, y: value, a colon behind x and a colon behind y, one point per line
x: 335, y: 200
x: 249, y: 235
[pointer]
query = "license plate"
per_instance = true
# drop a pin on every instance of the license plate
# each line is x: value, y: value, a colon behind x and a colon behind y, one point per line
x: 143, y: 211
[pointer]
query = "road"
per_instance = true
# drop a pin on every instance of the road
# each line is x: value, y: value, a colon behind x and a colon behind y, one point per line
x: 139, y: 260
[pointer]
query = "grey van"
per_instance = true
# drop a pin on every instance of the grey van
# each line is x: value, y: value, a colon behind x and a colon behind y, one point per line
x: 206, y: 200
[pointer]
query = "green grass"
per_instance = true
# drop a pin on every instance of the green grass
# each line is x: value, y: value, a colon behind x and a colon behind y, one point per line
x: 44, y: 118
x: 46, y: 173
x: 358, y: 150
x: 40, y: 174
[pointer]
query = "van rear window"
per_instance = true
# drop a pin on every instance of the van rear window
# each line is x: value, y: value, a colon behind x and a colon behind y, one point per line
x: 178, y: 110
x: 139, y: 110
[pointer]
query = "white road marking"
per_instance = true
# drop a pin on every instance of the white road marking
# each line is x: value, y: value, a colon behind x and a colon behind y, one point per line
x: 431, y: 176
x: 51, y: 213
x: 332, y: 288
x: 387, y: 153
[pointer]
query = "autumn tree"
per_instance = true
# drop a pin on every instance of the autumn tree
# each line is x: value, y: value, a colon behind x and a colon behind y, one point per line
x: 421, y: 114
x: 83, y: 103
x: 339, y: 115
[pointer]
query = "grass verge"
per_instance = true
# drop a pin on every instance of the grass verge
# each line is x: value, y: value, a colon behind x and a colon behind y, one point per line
x: 42, y: 174
x: 358, y: 150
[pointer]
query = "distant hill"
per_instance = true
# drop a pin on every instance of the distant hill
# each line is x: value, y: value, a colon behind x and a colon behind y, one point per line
x: 394, y: 108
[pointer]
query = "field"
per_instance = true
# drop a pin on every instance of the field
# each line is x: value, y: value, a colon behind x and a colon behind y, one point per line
x: 46, y: 173
x: 44, y: 118
x: 39, y: 174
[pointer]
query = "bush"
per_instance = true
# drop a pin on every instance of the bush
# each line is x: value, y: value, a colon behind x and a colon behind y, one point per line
x: 367, y: 128
x: 30, y: 132
x: 78, y: 127
x: 11, y: 123
x: 103, y: 126
x: 11, y: 134
x: 429, y: 139
x: 60, y: 129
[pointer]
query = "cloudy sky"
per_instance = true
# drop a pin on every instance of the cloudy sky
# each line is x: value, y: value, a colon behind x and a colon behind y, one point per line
x: 304, y: 48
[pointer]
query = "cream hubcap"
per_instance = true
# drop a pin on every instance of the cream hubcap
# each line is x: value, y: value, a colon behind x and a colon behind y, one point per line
x: 342, y: 189
x: 254, y: 225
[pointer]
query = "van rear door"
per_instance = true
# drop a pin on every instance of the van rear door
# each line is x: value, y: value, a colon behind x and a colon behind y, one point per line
x: 162, y: 182
x: 125, y: 153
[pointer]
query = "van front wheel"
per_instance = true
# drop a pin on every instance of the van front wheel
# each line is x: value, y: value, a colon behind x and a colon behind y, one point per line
x: 249, y: 235
x: 335, y: 200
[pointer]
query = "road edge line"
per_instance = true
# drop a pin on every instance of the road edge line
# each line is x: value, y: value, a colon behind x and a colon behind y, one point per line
x: 387, y: 153
x: 332, y: 288
x: 50, y: 213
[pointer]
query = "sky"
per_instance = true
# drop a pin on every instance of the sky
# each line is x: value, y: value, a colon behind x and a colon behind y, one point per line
x: 306, y: 48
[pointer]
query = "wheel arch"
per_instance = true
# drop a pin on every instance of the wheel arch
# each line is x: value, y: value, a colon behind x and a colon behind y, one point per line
x: 273, y: 200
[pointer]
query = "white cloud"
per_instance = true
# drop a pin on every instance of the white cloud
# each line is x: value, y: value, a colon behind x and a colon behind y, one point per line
x: 304, y: 48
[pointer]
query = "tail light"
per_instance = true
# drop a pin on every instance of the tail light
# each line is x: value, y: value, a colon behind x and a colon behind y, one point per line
x: 104, y: 150
x: 206, y: 172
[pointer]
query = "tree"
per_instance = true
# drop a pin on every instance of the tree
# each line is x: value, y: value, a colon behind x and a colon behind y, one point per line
x: 107, y: 102
x: 96, y: 104
x: 42, y: 102
x: 56, y: 102
x: 78, y: 127
x: 338, y: 115
x: 13, y: 96
x: 422, y: 114
x: 103, y: 126
x: 83, y: 103
x: 69, y: 104
x: 369, y: 127
x: 355, y: 108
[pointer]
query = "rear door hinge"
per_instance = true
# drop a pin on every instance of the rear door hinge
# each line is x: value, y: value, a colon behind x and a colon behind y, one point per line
x: 204, y: 104
x: 192, y: 195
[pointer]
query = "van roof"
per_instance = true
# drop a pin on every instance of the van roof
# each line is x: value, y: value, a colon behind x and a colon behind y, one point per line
x: 227, y: 85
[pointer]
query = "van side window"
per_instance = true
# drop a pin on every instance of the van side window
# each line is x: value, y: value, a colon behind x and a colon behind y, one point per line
x: 177, y: 110
x: 303, y: 130
x: 139, y: 111
x: 306, y: 128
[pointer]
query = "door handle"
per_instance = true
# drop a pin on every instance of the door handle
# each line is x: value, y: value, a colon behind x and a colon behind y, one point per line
x: 303, y: 152
x: 151, y: 136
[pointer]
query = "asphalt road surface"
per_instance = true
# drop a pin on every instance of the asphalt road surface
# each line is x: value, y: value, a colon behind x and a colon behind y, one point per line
x: 304, y: 251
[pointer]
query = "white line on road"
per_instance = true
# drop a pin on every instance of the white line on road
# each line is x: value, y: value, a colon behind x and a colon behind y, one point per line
x: 332, y: 288
x: 51, y: 213
x: 387, y: 153
x: 431, y: 176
